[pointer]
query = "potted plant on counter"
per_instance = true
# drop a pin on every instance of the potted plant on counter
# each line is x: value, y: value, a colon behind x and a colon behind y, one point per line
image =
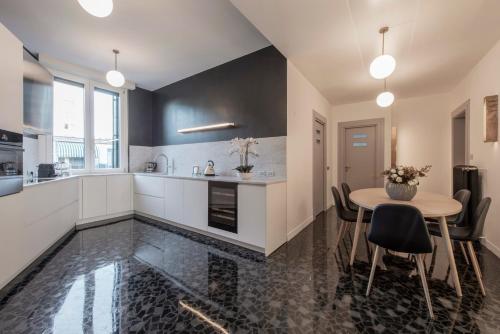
x: 402, y: 181
x: 245, y: 147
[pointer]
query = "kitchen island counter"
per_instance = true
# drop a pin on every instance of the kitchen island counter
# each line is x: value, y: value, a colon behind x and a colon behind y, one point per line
x: 257, y: 180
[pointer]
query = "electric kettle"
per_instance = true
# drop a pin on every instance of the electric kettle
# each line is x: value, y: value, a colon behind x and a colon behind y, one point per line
x: 209, y: 170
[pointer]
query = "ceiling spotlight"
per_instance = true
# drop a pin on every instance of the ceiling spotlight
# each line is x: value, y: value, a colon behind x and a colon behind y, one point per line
x: 99, y: 8
x: 114, y: 77
x: 385, y: 99
x: 382, y: 66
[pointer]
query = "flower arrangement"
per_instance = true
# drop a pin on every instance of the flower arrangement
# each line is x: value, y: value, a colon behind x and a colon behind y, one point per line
x: 406, y: 174
x: 245, y: 147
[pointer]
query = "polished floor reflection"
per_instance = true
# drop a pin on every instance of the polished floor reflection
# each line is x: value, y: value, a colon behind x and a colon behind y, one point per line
x: 134, y: 277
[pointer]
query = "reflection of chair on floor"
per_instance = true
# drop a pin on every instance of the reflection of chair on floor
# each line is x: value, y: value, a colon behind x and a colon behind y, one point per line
x: 387, y: 231
x: 468, y: 234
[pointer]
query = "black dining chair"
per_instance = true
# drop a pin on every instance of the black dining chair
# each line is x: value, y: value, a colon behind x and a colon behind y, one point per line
x: 400, y: 228
x: 346, y: 191
x: 468, y: 234
x: 346, y: 216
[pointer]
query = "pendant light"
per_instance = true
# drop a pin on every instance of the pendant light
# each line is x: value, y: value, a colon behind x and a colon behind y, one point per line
x: 386, y: 98
x: 99, y: 8
x: 382, y: 66
x: 114, y: 77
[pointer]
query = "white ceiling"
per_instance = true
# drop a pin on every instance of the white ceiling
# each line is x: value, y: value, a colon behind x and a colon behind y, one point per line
x: 332, y: 42
x: 161, y: 41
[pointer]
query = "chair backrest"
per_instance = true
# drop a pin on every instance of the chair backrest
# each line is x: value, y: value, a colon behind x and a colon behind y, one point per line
x: 338, y: 203
x: 463, y: 197
x: 346, y: 191
x: 479, y: 218
x: 401, y: 228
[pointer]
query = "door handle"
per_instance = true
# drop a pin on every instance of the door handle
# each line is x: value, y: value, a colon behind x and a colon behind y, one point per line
x: 347, y: 168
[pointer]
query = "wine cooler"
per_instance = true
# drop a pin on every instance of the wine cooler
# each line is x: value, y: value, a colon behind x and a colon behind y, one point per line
x: 223, y: 205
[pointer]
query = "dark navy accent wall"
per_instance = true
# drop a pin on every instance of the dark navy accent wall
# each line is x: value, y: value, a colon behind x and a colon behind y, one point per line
x: 249, y: 91
x: 140, y: 117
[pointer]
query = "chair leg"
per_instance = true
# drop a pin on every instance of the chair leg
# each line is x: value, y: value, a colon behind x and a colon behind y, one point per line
x: 376, y: 256
x: 475, y: 264
x: 421, y: 271
x: 464, y: 253
x: 339, y: 235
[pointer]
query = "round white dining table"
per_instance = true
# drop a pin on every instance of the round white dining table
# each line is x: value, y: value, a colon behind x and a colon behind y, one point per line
x: 430, y: 204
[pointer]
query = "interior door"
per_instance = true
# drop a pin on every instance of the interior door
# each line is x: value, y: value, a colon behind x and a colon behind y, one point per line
x: 360, y: 157
x: 319, y: 167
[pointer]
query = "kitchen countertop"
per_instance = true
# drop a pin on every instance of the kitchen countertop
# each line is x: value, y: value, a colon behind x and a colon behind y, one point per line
x: 40, y: 181
x: 256, y: 180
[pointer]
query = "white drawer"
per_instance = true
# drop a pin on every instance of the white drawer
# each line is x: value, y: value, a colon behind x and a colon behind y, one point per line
x: 149, y: 185
x: 150, y: 205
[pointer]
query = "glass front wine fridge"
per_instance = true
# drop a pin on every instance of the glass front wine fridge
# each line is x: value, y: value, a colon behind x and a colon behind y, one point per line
x: 223, y: 205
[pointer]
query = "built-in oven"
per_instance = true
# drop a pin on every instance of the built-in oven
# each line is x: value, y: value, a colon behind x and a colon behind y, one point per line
x: 11, y: 162
x: 223, y: 205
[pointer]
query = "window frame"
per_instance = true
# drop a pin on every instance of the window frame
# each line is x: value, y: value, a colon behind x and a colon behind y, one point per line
x: 89, y: 87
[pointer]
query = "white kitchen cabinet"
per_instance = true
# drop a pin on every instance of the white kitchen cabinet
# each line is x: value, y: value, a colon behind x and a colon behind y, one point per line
x: 174, y: 195
x: 94, y: 196
x: 150, y: 205
x: 195, y: 204
x: 11, y: 82
x: 149, y: 185
x: 252, y: 214
x: 119, y: 193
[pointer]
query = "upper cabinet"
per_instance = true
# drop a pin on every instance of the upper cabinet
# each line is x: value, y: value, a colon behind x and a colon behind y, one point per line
x: 11, y: 82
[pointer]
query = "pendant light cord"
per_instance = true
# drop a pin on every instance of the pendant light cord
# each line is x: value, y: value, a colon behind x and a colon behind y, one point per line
x: 116, y: 52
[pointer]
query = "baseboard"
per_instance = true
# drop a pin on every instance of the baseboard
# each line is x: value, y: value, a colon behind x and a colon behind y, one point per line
x: 36, y: 264
x: 100, y: 219
x: 122, y: 217
x: 491, y: 246
x: 296, y: 230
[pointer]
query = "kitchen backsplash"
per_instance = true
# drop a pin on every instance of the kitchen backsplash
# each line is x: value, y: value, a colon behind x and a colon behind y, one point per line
x: 271, y: 160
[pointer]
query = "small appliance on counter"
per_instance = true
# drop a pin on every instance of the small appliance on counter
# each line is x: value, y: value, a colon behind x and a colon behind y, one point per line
x: 46, y: 171
x: 210, y: 170
x: 11, y: 162
x: 151, y: 167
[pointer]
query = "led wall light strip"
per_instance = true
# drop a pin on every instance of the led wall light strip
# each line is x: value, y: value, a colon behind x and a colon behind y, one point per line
x: 207, y: 127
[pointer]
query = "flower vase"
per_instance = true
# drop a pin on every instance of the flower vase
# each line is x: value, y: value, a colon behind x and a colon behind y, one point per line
x: 400, y: 191
x: 245, y: 176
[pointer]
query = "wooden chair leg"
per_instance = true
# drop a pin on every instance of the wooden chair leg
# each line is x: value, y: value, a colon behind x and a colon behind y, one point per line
x: 376, y: 256
x: 475, y: 264
x: 340, y: 234
x: 421, y: 271
x: 464, y: 253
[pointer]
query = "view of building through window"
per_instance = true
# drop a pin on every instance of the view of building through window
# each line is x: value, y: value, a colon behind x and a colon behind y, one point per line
x: 106, y: 129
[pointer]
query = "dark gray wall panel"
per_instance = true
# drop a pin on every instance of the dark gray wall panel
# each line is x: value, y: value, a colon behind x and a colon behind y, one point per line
x: 250, y: 91
x: 140, y: 117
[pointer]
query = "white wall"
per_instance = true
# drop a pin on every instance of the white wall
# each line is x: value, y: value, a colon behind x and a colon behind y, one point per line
x: 483, y: 80
x: 302, y: 100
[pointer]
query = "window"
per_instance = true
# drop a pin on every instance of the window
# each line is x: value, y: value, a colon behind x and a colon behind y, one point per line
x: 88, y: 125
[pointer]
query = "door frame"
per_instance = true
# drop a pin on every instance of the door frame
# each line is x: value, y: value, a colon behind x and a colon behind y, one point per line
x: 463, y: 109
x: 379, y: 124
x: 317, y: 117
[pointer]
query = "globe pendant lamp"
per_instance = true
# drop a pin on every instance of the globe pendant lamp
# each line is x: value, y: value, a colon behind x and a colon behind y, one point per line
x: 114, y: 77
x: 383, y: 66
x: 98, y: 8
x: 386, y: 98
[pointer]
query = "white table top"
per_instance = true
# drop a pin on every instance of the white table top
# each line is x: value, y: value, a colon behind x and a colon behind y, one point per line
x: 430, y: 204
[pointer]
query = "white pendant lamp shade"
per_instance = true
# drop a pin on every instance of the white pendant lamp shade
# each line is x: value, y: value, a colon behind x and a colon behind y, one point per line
x: 385, y: 99
x: 99, y: 8
x: 382, y: 66
x: 115, y: 78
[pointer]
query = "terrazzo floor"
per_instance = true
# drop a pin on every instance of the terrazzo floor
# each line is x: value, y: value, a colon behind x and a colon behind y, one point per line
x: 136, y: 277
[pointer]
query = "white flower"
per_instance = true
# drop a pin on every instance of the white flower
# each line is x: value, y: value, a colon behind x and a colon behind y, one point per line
x: 394, y: 176
x: 399, y: 180
x: 401, y: 173
x: 393, y: 171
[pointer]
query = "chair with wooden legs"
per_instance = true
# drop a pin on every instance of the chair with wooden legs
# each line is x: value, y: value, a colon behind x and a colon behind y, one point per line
x: 468, y: 234
x: 346, y: 216
x: 400, y: 228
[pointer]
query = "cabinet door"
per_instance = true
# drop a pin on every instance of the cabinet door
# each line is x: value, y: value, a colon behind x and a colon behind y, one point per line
x: 149, y: 185
x: 94, y: 198
x: 11, y: 82
x: 195, y: 202
x: 150, y: 205
x: 174, y: 196
x: 119, y: 193
x: 252, y: 214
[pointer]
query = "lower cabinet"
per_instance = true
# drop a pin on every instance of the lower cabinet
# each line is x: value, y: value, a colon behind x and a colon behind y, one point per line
x: 94, y: 196
x: 195, y: 204
x: 150, y: 205
x: 119, y: 193
x: 174, y: 196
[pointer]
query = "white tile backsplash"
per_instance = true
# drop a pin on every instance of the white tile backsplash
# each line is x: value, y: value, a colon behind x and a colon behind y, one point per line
x: 271, y: 160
